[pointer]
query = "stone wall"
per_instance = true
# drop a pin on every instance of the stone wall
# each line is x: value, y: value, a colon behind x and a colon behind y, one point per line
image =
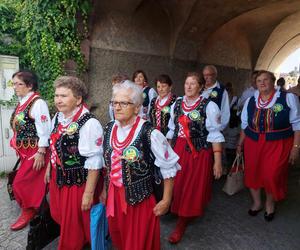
x: 105, y: 63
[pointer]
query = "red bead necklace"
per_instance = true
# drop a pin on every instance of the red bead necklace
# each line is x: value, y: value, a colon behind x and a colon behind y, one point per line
x: 167, y: 102
x: 116, y: 144
x: 187, y: 108
x: 263, y: 104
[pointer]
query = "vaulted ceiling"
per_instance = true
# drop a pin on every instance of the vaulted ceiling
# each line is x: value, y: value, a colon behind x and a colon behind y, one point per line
x: 238, y: 33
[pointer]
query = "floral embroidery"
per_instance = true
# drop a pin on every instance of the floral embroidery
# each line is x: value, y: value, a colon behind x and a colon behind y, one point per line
x: 214, y: 94
x: 44, y: 118
x: 99, y: 141
x: 277, y: 108
x: 20, y: 118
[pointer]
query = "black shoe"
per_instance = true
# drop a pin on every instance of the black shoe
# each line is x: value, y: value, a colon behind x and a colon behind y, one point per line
x: 269, y: 217
x: 254, y: 212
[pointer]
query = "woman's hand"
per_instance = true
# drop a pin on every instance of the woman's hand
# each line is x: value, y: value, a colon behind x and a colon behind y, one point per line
x: 294, y: 154
x: 39, y: 160
x: 87, y: 201
x: 217, y: 169
x: 162, y: 207
x: 239, y: 149
x: 47, y: 174
x: 103, y: 195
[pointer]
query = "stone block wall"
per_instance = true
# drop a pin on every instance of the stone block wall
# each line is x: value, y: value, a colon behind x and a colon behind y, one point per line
x: 104, y: 63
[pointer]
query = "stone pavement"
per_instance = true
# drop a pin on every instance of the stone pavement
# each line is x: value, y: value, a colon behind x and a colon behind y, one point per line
x: 226, y: 224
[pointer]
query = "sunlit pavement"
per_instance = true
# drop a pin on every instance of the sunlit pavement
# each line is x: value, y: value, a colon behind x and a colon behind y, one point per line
x: 226, y: 224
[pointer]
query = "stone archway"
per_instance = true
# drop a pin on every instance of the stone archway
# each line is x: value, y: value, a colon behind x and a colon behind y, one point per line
x: 282, y: 42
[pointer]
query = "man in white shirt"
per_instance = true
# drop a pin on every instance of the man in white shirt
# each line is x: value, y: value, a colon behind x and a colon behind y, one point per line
x: 248, y: 92
x: 216, y: 92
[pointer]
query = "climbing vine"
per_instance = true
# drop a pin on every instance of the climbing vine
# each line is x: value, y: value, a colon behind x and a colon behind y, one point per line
x: 45, y: 34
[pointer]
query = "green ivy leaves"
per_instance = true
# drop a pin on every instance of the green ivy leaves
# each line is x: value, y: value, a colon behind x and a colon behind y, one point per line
x: 44, y: 34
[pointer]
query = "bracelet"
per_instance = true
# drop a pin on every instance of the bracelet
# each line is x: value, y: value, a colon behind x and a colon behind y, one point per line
x: 218, y: 151
x: 41, y: 153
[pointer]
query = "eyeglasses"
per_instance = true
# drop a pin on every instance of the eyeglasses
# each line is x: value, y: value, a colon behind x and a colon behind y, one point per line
x: 120, y: 104
x: 18, y: 84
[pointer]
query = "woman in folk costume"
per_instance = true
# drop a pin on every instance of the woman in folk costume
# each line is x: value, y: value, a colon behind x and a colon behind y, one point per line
x: 195, y: 133
x: 160, y: 106
x: 76, y: 157
x: 139, y: 77
x: 31, y: 125
x: 133, y: 148
x: 271, y: 139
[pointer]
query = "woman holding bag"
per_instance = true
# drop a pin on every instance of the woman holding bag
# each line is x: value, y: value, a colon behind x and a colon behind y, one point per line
x: 271, y: 140
x: 31, y: 125
x: 76, y: 157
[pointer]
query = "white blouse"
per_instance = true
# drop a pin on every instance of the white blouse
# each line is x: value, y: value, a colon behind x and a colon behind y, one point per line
x: 292, y: 101
x: 212, y: 122
x: 165, y: 158
x: 90, y: 142
x: 225, y: 109
x: 42, y: 121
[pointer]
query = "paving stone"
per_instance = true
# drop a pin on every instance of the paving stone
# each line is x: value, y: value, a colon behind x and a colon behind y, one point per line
x: 225, y: 225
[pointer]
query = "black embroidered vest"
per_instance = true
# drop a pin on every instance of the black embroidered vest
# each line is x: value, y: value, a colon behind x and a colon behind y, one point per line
x: 72, y: 172
x: 164, y: 115
x: 137, y: 176
x: 146, y: 96
x: 25, y: 128
x: 197, y: 128
x: 216, y: 95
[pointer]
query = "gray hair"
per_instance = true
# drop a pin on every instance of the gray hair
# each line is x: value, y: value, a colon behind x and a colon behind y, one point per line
x: 136, y: 92
x: 212, y: 68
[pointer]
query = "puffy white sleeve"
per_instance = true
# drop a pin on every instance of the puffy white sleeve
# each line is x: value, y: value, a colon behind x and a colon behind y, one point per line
x: 244, y: 116
x: 213, y: 123
x: 225, y: 108
x: 90, y: 144
x: 293, y: 103
x: 171, y: 124
x: 40, y: 113
x: 165, y: 158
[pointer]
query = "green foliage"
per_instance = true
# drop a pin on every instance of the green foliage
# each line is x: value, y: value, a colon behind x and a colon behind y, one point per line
x: 44, y: 34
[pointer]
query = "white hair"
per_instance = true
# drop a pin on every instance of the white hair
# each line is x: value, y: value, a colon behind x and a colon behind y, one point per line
x: 136, y: 92
x: 212, y: 68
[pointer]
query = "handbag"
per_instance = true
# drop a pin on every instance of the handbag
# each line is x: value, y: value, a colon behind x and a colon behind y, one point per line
x: 100, y: 239
x: 235, y: 179
x: 10, y: 179
x: 43, y: 229
x: 158, y: 184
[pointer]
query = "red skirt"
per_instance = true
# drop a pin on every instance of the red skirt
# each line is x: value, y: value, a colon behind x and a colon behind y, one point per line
x: 266, y: 165
x: 28, y: 185
x: 137, y: 229
x: 193, y: 184
x: 65, y: 207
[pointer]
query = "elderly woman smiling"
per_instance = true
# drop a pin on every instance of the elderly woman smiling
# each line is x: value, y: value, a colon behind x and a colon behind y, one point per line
x: 132, y: 147
x: 271, y: 139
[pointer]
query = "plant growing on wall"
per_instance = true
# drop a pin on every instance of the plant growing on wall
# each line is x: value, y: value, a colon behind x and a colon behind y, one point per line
x: 44, y: 34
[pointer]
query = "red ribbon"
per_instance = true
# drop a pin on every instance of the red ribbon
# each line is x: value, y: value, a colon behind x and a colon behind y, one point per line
x: 110, y: 206
x: 184, y: 122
